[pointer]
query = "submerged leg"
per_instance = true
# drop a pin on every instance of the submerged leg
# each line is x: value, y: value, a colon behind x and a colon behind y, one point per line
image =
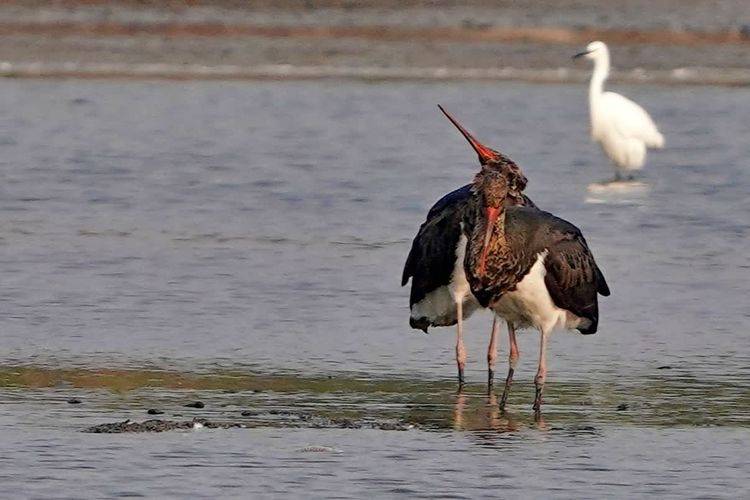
x: 512, y: 360
x: 492, y: 353
x: 541, y: 372
x: 460, y: 350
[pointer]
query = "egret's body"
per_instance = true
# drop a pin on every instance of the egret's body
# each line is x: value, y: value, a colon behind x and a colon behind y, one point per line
x: 623, y: 129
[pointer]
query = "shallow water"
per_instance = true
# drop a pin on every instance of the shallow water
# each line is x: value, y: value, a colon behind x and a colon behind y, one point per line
x: 242, y: 244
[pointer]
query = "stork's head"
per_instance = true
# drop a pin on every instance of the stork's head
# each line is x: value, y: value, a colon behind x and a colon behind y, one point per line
x: 493, y: 160
x: 595, y: 50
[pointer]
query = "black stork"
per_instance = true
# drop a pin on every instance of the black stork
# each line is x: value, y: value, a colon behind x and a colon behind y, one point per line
x: 529, y: 267
x: 440, y: 294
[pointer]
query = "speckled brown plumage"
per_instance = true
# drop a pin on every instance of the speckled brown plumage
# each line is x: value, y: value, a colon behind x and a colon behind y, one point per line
x: 518, y: 237
x: 432, y: 256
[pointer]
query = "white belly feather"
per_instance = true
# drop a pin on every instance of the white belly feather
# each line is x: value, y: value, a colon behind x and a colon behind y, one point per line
x: 439, y: 306
x: 530, y: 304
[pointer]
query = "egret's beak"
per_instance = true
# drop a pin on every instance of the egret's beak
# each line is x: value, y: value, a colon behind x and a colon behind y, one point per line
x: 491, y: 213
x: 485, y: 154
x: 581, y: 54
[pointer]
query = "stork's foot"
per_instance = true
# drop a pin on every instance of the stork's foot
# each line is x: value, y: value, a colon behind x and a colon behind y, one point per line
x: 537, y: 407
x: 538, y: 399
x: 506, y: 390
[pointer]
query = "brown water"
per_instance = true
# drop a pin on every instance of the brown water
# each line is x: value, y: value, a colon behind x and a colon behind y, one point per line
x: 241, y: 244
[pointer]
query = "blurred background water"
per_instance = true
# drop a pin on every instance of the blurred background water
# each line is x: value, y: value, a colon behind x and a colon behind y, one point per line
x: 261, y: 227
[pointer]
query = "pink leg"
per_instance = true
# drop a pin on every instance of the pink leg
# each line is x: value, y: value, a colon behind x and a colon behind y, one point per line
x: 541, y: 372
x: 512, y: 360
x: 460, y: 350
x: 492, y: 352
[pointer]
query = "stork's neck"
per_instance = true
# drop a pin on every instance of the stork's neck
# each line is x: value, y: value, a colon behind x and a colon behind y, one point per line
x: 493, y: 246
x: 601, y: 72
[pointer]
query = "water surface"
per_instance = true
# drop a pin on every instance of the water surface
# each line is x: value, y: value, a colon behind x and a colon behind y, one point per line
x: 242, y: 244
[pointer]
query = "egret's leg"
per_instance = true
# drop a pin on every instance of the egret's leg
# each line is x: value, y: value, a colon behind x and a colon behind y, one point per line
x: 492, y: 353
x: 460, y: 350
x: 512, y: 360
x: 541, y: 372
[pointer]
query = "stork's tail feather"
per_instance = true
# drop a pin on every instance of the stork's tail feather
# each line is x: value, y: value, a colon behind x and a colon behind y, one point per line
x: 420, y: 324
x: 590, y: 329
x: 601, y: 283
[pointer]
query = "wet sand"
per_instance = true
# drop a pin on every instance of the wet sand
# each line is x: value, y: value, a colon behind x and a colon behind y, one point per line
x: 373, y: 40
x: 661, y: 396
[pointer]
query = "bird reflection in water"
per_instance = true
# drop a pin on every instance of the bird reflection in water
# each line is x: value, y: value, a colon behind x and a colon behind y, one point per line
x: 472, y: 412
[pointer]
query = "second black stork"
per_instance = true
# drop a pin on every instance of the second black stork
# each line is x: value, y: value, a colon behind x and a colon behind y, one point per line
x: 440, y: 293
x: 529, y: 267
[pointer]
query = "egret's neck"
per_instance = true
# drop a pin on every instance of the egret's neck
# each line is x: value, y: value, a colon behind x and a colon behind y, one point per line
x: 601, y: 72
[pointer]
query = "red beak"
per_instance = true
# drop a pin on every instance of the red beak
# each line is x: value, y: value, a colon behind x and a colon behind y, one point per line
x: 485, y: 153
x: 491, y: 214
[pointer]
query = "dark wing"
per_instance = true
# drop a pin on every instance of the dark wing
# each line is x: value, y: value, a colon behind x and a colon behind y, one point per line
x: 573, y: 278
x: 433, y: 252
x: 526, y: 202
x: 457, y: 197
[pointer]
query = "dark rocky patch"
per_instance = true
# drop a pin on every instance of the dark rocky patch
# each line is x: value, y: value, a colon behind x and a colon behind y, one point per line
x: 195, y: 404
x: 349, y: 423
x: 154, y: 411
x: 305, y: 420
x: 158, y: 425
x: 74, y: 401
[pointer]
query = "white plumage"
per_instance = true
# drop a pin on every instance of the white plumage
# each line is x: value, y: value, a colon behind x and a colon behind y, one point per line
x: 530, y: 304
x: 622, y: 128
x: 440, y: 305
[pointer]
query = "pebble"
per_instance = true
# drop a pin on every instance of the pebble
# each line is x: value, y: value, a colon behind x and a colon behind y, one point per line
x: 74, y: 401
x: 622, y: 407
x: 195, y: 404
x: 154, y: 411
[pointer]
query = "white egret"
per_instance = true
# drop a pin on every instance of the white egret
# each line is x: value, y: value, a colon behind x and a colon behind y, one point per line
x: 622, y: 128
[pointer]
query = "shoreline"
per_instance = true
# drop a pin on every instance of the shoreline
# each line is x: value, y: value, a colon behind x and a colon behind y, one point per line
x: 691, y: 76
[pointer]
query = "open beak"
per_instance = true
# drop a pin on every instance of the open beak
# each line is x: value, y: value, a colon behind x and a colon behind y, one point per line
x: 491, y: 215
x: 581, y: 54
x: 485, y: 153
